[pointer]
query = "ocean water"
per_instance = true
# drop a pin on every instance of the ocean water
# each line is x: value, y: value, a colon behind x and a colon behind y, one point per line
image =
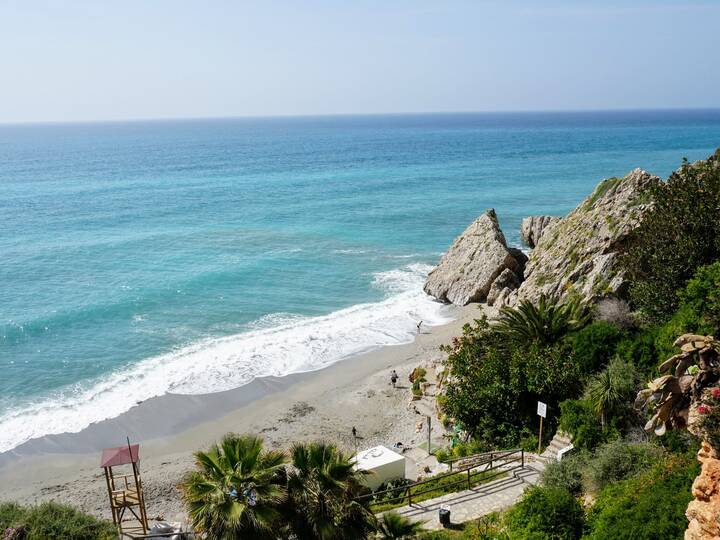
x: 143, y: 258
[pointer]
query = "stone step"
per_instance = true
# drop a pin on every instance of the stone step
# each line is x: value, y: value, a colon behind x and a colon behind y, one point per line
x: 557, y: 445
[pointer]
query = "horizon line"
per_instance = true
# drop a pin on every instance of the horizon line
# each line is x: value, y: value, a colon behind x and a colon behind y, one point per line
x: 349, y: 115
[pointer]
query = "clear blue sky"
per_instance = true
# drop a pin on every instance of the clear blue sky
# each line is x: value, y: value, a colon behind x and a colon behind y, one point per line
x: 95, y: 59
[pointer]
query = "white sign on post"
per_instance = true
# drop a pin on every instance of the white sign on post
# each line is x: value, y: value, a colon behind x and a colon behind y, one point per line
x: 542, y: 409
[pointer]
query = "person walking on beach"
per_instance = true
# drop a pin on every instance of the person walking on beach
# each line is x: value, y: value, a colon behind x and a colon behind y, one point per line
x: 354, y: 432
x: 393, y: 378
x: 419, y: 324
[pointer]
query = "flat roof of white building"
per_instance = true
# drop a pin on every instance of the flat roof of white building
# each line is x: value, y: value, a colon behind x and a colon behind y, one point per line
x: 376, y: 457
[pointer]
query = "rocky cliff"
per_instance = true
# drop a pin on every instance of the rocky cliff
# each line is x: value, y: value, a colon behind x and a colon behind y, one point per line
x: 533, y: 227
x: 473, y: 262
x: 576, y: 255
x: 703, y: 512
x: 579, y: 254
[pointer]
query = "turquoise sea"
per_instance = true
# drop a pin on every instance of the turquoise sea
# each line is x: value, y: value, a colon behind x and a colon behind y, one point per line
x: 143, y: 258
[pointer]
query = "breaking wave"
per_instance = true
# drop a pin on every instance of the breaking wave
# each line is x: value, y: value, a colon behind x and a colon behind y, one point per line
x: 276, y: 345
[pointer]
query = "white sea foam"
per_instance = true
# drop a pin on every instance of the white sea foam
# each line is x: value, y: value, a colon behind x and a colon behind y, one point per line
x: 277, y: 345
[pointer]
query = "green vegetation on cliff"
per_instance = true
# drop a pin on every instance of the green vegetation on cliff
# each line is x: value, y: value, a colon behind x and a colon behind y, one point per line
x: 589, y: 374
x: 678, y: 235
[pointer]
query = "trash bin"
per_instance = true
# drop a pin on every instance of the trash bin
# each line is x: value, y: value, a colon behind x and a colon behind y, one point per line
x: 444, y: 515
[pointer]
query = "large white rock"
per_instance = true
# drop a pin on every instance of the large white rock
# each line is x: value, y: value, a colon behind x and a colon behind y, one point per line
x: 470, y: 266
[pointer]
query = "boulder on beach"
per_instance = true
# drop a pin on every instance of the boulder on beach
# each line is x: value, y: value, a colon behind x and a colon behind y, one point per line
x: 473, y: 262
x: 533, y: 227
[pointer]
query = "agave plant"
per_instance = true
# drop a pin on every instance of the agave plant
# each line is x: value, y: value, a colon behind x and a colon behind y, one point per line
x: 396, y: 527
x: 673, y: 396
x: 236, y: 490
x: 322, y: 486
x: 544, y: 323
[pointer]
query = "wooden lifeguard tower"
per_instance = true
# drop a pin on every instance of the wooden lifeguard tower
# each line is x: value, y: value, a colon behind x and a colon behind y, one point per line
x: 125, y: 490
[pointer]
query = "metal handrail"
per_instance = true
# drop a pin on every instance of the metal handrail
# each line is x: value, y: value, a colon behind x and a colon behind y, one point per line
x: 499, y: 459
x: 478, y: 458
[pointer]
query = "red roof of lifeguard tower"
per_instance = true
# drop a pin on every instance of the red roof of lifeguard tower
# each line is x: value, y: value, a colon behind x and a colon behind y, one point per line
x: 120, y: 455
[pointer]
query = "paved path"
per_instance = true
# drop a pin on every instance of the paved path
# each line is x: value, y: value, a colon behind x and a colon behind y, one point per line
x: 478, y: 501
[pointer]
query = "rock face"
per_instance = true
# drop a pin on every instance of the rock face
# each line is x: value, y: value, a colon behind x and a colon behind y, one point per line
x: 703, y: 512
x: 473, y: 262
x: 502, y: 287
x: 579, y: 253
x: 534, y: 227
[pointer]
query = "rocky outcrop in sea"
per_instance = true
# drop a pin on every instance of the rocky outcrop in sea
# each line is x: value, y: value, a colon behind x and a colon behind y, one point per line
x: 576, y: 255
x: 474, y: 261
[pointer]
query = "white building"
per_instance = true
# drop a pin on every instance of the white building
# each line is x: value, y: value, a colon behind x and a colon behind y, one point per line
x: 383, y: 463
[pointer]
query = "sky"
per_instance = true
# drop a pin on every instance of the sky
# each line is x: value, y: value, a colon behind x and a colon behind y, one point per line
x: 91, y: 60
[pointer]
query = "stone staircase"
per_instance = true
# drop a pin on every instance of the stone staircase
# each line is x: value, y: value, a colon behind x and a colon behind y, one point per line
x: 559, y: 441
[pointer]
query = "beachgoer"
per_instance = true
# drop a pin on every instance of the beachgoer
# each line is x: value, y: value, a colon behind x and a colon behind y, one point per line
x: 354, y: 432
x: 419, y: 324
x: 393, y: 377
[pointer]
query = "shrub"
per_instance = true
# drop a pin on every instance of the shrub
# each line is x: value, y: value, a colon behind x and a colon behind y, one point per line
x: 685, y: 320
x: 618, y: 460
x: 595, y: 345
x: 496, y: 382
x: 462, y: 449
x: 702, y: 293
x: 417, y: 375
x: 578, y: 418
x: 710, y: 418
x: 398, y: 490
x: 566, y: 474
x: 489, y: 527
x: 678, y: 441
x: 52, y: 520
x: 697, y: 313
x: 546, y: 512
x: 647, y: 507
x: 640, y: 350
x: 676, y: 236
x: 615, y: 311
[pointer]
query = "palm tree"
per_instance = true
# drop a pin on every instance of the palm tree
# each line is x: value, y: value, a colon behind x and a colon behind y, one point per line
x: 236, y: 490
x: 396, y: 527
x: 612, y: 388
x: 544, y: 323
x: 322, y: 486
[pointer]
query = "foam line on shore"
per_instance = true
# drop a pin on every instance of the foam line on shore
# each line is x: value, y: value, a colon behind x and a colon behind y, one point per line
x: 276, y: 346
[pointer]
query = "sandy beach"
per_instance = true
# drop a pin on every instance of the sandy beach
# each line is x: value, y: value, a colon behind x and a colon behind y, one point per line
x: 325, y: 404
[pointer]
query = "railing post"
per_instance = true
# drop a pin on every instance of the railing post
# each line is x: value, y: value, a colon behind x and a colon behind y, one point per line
x: 491, y: 460
x: 468, y: 471
x: 409, y: 496
x: 522, y: 459
x: 451, y: 464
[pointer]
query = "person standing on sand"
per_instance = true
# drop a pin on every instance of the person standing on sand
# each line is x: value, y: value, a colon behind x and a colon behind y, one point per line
x: 393, y: 378
x: 419, y: 324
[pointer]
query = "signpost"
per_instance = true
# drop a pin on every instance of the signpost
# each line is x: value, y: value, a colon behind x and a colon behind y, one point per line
x: 542, y: 413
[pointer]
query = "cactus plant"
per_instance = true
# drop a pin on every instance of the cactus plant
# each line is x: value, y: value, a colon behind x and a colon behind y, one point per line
x: 674, y: 395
